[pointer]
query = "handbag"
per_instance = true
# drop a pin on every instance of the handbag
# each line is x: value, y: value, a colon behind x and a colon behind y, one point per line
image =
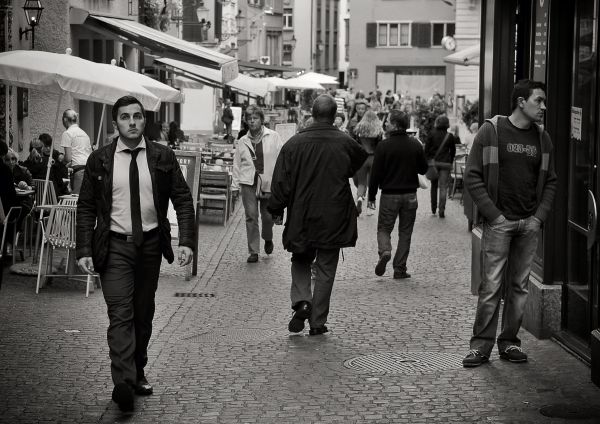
x: 423, y: 181
x: 263, y: 188
x: 432, y: 172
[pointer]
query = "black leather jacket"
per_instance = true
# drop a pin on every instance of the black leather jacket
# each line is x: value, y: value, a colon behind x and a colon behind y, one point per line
x: 95, y: 201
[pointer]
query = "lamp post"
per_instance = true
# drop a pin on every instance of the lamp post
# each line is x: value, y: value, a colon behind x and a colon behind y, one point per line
x: 33, y: 12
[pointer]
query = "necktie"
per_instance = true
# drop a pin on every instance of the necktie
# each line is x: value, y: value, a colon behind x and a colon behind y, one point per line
x: 134, y: 196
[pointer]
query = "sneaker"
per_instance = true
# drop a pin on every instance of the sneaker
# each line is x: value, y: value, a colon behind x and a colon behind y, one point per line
x: 442, y: 214
x: 268, y: 247
x: 359, y: 203
x: 400, y: 275
x: 318, y: 331
x: 383, y: 260
x: 474, y: 358
x: 513, y: 354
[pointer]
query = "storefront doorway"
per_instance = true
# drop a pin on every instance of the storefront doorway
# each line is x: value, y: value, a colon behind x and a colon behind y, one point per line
x: 580, y: 303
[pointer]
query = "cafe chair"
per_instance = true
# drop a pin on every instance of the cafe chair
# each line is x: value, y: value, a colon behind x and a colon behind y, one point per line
x: 10, y: 223
x: 215, y: 193
x: 40, y: 204
x: 59, y: 233
x: 456, y: 173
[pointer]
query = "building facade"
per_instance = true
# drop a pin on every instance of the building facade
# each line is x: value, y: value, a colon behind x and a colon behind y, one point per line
x: 468, y: 23
x: 260, y: 26
x: 396, y: 45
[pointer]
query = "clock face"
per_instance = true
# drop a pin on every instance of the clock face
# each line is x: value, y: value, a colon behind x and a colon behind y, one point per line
x: 448, y: 42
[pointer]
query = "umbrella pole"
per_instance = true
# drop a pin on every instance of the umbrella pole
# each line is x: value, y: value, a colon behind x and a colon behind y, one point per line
x: 60, y: 96
x: 96, y: 145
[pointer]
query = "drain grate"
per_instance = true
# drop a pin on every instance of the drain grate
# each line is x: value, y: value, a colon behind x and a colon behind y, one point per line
x: 570, y: 411
x: 180, y: 294
x: 231, y: 335
x: 405, y: 363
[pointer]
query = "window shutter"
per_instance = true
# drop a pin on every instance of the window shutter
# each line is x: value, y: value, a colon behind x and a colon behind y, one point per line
x: 421, y: 34
x: 371, y: 34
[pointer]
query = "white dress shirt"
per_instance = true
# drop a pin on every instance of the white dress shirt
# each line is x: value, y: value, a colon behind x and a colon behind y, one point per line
x: 120, y: 213
x: 79, y: 142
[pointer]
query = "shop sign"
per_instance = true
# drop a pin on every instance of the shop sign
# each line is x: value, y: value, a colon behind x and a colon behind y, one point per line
x: 540, y: 38
x: 576, y: 114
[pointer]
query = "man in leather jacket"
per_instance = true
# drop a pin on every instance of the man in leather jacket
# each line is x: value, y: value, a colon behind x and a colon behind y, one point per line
x: 122, y: 232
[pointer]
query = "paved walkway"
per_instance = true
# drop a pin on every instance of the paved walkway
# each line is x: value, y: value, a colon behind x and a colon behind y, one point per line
x: 225, y: 356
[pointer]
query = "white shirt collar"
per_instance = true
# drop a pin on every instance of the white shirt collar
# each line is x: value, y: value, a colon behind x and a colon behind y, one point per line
x: 121, y: 146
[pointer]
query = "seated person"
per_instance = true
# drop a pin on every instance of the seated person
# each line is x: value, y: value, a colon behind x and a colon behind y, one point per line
x: 35, y: 162
x: 58, y: 170
x: 22, y: 179
x: 8, y: 196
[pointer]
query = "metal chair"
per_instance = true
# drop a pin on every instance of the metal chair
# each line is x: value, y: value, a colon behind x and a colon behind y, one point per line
x: 456, y: 173
x: 10, y: 221
x: 59, y: 233
x: 215, y: 192
x: 41, y: 204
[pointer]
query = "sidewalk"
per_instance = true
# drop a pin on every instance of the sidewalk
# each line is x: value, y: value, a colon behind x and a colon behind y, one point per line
x: 393, y: 354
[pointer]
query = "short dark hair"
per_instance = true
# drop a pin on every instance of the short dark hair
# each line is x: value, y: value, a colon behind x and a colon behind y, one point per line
x: 46, y: 139
x: 324, y: 108
x: 341, y: 115
x: 125, y: 101
x: 524, y: 88
x: 255, y: 110
x: 399, y: 119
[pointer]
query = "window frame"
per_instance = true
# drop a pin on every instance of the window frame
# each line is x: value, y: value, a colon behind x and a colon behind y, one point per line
x: 399, y: 45
x: 288, y: 12
x: 433, y: 23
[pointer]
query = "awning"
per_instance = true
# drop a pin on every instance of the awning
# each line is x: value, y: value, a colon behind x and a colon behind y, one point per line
x: 465, y: 57
x: 271, y: 68
x: 161, y: 44
x: 319, y: 78
x: 294, y: 83
x: 245, y: 83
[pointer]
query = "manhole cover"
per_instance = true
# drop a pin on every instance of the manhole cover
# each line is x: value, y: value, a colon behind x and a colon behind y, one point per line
x: 570, y: 411
x: 231, y: 335
x: 405, y: 363
x: 179, y: 294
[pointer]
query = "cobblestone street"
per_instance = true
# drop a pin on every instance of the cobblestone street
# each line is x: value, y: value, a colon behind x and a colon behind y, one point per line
x: 393, y: 353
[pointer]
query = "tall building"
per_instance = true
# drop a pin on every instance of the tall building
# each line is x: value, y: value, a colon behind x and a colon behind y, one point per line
x: 397, y: 45
x: 260, y: 26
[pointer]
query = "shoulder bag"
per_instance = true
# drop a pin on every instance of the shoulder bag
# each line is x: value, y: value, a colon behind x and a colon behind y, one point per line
x: 432, y: 172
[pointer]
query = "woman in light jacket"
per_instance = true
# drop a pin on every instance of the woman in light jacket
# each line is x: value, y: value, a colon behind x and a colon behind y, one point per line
x: 253, y: 164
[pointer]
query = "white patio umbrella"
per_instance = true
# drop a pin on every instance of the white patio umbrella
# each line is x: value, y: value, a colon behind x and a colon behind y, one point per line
x: 318, y: 78
x: 63, y: 73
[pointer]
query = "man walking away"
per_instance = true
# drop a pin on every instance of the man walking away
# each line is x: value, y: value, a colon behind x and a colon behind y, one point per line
x: 311, y: 180
x: 122, y: 232
x: 77, y: 147
x: 396, y: 164
x: 510, y: 177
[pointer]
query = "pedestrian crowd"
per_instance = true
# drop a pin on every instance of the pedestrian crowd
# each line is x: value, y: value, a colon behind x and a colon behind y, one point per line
x: 125, y: 188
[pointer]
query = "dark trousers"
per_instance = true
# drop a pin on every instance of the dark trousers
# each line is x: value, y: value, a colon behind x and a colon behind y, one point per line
x: 128, y: 284
x: 325, y: 267
x: 440, y: 183
x: 392, y: 206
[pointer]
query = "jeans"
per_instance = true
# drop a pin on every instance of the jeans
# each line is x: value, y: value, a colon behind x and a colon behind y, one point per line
x: 325, y: 268
x: 361, y: 177
x: 442, y: 183
x: 251, y: 208
x: 508, y: 249
x: 390, y: 207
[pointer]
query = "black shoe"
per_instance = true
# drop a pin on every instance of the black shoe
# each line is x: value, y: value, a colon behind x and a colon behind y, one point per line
x: 252, y: 258
x: 143, y: 388
x: 474, y: 358
x: 268, y: 247
x: 400, y: 275
x: 303, y: 310
x: 123, y: 396
x: 383, y: 260
x: 442, y: 214
x: 513, y: 354
x: 317, y: 331
x: 433, y: 211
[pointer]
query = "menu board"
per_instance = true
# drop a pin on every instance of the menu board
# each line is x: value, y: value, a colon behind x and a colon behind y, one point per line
x: 540, y: 38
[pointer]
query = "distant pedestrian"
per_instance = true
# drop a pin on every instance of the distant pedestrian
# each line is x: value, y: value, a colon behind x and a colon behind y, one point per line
x: 227, y: 119
x: 440, y: 150
x: 253, y: 163
x: 398, y: 161
x: 77, y: 146
x: 368, y: 132
x: 339, y: 121
x: 511, y: 179
x: 360, y: 107
x: 311, y: 181
x: 123, y: 233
